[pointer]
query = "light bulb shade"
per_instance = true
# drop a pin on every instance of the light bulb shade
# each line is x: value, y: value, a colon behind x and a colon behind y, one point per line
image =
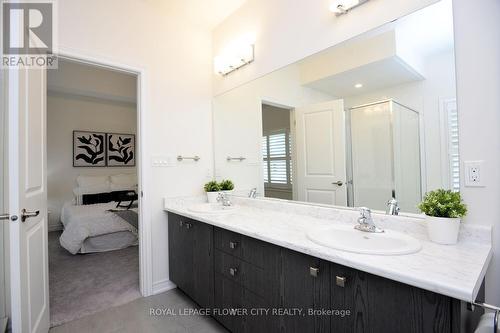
x: 342, y: 6
x: 234, y: 56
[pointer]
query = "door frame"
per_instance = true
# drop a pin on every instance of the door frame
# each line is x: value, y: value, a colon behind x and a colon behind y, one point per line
x: 272, y: 102
x: 145, y: 250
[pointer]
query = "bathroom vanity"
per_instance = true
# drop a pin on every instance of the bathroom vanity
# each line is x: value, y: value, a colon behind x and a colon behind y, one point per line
x: 258, y: 260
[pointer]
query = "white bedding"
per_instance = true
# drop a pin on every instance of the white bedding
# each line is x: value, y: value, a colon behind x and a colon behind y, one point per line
x: 86, y: 221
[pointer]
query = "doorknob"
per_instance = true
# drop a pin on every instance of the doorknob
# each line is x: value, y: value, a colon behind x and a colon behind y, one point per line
x: 339, y: 183
x: 25, y: 214
x: 7, y: 216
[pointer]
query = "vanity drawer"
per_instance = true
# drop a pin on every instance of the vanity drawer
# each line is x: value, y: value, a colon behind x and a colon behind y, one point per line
x: 234, y: 269
x: 243, y: 247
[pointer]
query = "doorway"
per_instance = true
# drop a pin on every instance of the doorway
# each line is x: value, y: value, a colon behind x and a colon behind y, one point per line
x: 92, y: 189
x: 277, y: 151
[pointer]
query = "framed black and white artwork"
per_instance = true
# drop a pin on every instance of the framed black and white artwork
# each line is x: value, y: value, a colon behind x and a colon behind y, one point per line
x: 89, y: 149
x: 121, y: 150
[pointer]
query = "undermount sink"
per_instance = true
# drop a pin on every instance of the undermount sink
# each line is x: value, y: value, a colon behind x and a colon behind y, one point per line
x: 346, y: 238
x: 211, y: 208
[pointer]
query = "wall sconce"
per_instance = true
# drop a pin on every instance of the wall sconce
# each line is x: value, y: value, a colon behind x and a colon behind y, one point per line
x: 235, y: 55
x: 340, y: 7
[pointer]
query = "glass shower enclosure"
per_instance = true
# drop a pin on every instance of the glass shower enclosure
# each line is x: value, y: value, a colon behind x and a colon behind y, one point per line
x: 384, y: 156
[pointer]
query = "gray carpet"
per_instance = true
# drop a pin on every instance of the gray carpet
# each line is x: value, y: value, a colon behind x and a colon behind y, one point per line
x: 81, y: 285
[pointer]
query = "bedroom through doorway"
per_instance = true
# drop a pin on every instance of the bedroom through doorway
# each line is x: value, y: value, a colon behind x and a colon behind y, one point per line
x: 92, y: 182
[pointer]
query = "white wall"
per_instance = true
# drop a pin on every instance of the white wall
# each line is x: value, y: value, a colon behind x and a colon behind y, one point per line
x: 289, y: 30
x: 164, y: 39
x: 477, y: 49
x: 64, y: 115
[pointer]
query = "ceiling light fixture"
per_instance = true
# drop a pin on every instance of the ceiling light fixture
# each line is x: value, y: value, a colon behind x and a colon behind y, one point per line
x: 340, y: 7
x: 358, y: 85
x: 236, y: 55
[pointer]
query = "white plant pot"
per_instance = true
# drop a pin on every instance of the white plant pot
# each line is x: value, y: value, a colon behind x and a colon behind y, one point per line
x: 212, y: 197
x: 228, y: 191
x: 443, y: 230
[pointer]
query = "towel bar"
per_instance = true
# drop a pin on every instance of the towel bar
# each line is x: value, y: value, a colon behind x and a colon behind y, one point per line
x: 194, y: 158
x: 241, y: 158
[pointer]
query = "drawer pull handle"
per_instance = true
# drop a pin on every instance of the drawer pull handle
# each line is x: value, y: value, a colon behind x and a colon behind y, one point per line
x: 233, y: 271
x: 181, y: 223
x: 233, y: 245
x: 314, y: 271
x: 188, y: 225
x: 340, y: 281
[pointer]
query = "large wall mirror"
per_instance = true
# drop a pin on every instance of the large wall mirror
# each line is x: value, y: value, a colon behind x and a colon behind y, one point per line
x: 357, y: 124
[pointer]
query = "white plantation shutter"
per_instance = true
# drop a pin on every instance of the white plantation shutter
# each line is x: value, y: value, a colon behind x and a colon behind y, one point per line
x: 276, y: 151
x: 453, y: 146
x: 449, y: 139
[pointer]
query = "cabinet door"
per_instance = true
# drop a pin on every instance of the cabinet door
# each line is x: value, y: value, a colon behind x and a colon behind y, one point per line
x: 177, y: 255
x: 202, y: 264
x: 382, y: 305
x: 306, y: 287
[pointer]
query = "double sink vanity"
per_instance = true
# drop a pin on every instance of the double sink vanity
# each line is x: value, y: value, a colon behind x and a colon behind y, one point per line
x: 266, y: 265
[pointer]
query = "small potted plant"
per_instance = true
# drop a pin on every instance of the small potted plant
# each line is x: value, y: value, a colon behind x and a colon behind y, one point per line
x: 443, y: 210
x: 212, y: 188
x: 226, y: 186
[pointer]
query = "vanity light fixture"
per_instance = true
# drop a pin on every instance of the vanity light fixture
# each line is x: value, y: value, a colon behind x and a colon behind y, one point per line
x: 340, y: 7
x: 358, y: 85
x: 235, y: 55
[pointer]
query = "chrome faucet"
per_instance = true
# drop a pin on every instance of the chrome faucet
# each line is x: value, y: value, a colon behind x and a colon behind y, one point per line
x: 222, y: 198
x: 365, y: 221
x: 392, y: 207
x: 253, y: 193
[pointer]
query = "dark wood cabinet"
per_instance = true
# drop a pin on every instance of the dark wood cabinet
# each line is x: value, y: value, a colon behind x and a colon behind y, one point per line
x: 254, y: 286
x: 191, y: 254
x: 305, y: 288
x: 377, y: 304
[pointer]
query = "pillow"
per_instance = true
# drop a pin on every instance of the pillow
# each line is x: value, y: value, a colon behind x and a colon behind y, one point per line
x: 90, y: 199
x: 124, y: 179
x: 118, y: 187
x: 101, y: 188
x: 87, y: 181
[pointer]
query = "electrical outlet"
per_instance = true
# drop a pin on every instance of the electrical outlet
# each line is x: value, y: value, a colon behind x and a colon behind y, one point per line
x: 474, y: 174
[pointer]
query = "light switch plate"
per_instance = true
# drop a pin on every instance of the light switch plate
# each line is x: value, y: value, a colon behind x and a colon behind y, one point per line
x: 163, y: 161
x: 474, y: 174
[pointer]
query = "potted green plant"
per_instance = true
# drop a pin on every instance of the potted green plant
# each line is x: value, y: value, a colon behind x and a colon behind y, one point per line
x: 443, y: 210
x: 212, y: 188
x: 226, y: 185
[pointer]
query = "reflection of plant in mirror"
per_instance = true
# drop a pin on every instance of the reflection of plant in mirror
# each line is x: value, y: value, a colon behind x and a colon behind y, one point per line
x: 226, y: 185
x: 443, y: 203
x: 212, y: 186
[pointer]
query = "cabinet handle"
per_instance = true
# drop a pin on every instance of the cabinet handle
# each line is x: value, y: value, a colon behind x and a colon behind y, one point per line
x: 181, y: 223
x: 233, y: 245
x: 314, y: 271
x: 233, y: 271
x: 188, y: 225
x: 340, y: 281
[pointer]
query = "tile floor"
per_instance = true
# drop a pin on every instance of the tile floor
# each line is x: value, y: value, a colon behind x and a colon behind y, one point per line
x: 135, y: 317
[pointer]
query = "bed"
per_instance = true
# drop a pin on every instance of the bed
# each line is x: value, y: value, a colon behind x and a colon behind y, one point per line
x: 98, y: 227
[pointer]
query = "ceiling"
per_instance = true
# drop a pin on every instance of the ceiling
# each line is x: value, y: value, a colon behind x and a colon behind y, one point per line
x: 375, y: 75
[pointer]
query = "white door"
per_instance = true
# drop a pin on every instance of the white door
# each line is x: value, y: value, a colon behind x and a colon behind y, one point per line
x: 320, y: 149
x: 28, y: 191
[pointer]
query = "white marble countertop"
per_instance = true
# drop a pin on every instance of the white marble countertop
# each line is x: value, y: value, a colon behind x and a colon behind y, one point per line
x: 452, y: 270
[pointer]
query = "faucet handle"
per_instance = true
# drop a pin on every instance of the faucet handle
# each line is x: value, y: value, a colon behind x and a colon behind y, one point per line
x: 365, y: 212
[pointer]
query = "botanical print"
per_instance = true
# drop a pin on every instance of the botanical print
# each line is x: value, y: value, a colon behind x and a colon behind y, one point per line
x: 88, y: 149
x: 121, y: 149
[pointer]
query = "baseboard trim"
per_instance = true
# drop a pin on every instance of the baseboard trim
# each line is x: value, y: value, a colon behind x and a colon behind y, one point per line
x: 162, y: 286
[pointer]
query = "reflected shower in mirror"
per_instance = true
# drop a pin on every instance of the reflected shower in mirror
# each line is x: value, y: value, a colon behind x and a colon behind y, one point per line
x: 358, y: 124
